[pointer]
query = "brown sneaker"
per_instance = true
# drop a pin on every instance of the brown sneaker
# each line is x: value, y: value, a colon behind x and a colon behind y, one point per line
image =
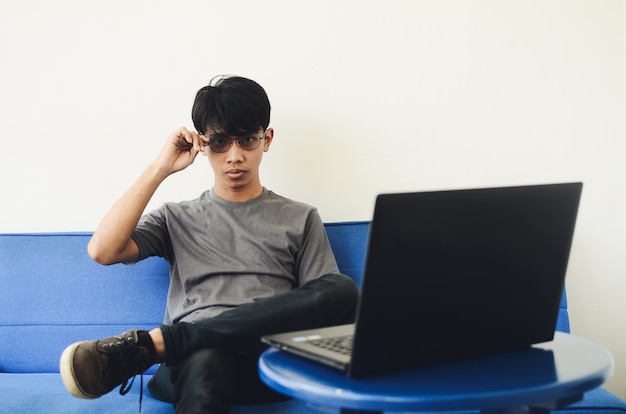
x: 93, y: 368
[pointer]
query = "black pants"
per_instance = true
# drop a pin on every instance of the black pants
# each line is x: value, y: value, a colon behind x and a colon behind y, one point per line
x: 212, y: 363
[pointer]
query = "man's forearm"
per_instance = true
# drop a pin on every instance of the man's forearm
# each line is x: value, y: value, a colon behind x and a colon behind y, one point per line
x: 111, y: 242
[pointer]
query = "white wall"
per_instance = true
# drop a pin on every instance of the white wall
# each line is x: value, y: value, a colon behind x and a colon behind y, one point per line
x: 368, y: 97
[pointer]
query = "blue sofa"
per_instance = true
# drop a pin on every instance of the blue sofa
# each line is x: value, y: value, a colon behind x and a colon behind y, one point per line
x: 52, y: 294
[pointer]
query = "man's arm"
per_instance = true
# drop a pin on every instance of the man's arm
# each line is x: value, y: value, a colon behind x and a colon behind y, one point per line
x: 112, y: 242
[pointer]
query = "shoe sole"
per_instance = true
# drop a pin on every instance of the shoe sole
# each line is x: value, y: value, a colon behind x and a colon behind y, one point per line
x: 67, y: 373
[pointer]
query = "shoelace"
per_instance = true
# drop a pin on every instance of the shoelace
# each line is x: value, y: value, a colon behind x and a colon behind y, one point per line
x: 126, y: 386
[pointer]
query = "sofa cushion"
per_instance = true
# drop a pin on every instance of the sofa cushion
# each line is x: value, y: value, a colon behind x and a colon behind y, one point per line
x: 44, y: 393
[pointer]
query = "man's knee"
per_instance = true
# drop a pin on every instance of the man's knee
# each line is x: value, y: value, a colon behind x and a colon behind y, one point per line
x: 341, y: 287
x: 339, y: 294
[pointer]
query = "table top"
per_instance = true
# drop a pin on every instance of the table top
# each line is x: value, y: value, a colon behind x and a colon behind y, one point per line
x: 558, y: 370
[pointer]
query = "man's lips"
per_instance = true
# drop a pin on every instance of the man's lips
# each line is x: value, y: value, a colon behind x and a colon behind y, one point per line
x: 235, y: 173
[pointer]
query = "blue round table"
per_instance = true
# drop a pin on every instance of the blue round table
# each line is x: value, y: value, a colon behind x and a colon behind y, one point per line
x: 547, y: 376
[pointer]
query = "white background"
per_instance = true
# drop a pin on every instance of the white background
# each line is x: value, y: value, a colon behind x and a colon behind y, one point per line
x: 367, y: 97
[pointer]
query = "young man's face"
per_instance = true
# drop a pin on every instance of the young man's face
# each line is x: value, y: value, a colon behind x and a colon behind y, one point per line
x: 235, y: 161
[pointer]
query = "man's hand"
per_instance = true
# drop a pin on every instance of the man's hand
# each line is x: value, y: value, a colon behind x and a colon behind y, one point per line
x: 180, y: 151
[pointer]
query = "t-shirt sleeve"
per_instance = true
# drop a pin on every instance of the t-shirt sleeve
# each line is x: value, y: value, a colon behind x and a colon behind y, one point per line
x: 151, y: 236
x: 315, y: 258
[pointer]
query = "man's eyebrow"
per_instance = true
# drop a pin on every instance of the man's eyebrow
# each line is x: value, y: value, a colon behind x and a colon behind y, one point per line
x: 225, y: 135
x: 218, y: 135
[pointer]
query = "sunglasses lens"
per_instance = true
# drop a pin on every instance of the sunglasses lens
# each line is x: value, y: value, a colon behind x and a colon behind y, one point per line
x: 219, y: 145
x: 249, y: 143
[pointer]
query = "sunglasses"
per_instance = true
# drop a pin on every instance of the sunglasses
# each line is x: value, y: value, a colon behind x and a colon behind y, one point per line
x: 222, y: 143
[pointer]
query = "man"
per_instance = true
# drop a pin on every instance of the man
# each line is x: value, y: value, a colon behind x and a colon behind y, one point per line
x: 243, y: 262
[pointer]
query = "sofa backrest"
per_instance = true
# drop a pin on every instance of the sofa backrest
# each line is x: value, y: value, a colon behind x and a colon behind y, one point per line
x: 53, y: 294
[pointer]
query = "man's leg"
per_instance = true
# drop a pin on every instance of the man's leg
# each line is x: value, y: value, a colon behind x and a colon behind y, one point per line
x: 204, y: 379
x: 203, y: 382
x: 161, y: 386
x: 91, y: 369
x: 249, y: 388
x: 330, y: 300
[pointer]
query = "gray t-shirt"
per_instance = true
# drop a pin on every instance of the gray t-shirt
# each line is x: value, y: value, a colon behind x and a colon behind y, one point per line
x: 224, y: 254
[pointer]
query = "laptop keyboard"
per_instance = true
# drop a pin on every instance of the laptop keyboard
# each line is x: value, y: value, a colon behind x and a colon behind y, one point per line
x: 340, y: 344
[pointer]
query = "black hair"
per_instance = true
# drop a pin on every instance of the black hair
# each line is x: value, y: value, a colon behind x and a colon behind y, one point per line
x: 231, y: 104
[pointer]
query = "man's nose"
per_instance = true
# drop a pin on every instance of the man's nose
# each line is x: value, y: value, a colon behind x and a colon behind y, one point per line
x: 234, y: 151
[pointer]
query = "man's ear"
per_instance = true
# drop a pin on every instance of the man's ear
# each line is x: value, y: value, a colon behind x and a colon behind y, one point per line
x: 269, y: 136
x: 204, y: 148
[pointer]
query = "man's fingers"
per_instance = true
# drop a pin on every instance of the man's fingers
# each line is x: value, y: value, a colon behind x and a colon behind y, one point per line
x: 184, y: 139
x: 192, y: 138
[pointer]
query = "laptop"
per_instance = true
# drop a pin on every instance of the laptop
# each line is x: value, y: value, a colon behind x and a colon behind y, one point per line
x: 452, y: 275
